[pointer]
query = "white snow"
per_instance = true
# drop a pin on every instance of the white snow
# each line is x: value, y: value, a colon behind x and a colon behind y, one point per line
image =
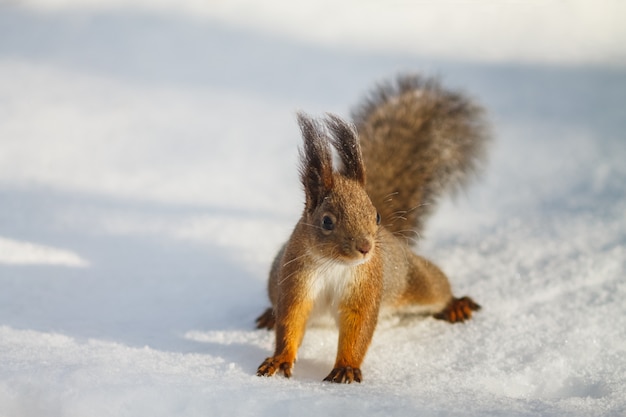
x: 148, y: 174
x: 13, y: 252
x: 573, y: 31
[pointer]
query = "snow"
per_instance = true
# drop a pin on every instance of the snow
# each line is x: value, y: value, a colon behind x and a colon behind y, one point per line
x: 13, y: 252
x: 148, y: 175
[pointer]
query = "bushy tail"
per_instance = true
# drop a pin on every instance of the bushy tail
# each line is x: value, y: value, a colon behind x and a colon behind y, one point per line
x: 418, y: 141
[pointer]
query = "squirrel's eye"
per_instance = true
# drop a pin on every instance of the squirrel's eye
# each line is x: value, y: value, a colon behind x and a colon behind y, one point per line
x: 327, y: 223
x: 377, y: 218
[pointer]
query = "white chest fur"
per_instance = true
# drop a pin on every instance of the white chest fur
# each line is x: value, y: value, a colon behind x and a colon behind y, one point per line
x: 330, y: 283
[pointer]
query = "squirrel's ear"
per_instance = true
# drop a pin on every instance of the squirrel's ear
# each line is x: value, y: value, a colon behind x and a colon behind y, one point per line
x: 345, y: 139
x: 316, y: 166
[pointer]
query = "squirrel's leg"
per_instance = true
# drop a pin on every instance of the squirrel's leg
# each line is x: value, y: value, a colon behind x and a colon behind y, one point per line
x: 428, y: 285
x: 290, y: 325
x: 357, y: 321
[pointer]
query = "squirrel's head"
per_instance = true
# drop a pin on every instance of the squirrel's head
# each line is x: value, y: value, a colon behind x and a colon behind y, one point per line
x: 341, y: 218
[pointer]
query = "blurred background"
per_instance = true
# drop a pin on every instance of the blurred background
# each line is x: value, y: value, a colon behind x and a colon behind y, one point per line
x: 90, y: 86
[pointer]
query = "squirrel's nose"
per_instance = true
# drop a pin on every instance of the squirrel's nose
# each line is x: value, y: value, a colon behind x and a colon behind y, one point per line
x: 364, y: 246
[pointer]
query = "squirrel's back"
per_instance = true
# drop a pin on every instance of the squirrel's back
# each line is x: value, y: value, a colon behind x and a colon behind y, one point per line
x: 418, y: 140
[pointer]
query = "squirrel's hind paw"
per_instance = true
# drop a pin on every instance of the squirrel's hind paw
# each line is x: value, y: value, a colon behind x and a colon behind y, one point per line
x: 344, y: 375
x: 458, y: 310
x: 266, y: 320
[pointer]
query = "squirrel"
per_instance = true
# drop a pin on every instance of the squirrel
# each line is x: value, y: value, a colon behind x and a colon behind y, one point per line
x: 351, y: 251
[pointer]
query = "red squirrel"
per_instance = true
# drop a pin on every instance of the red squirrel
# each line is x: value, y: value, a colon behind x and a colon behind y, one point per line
x: 350, y: 253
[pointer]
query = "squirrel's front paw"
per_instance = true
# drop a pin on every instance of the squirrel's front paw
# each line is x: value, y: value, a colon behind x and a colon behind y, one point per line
x: 273, y: 364
x: 344, y: 375
x: 458, y: 310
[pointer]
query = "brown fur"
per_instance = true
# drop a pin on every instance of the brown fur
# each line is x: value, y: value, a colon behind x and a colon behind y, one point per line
x: 339, y: 257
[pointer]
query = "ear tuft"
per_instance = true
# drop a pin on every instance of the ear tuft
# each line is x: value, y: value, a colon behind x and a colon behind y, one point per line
x: 316, y: 168
x: 345, y: 139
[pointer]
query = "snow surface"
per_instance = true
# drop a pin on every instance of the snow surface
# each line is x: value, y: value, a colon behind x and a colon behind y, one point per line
x: 148, y: 175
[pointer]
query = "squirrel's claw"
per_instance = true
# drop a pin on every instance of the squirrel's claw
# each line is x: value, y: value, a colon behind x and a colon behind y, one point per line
x: 458, y: 310
x: 344, y: 375
x: 273, y: 364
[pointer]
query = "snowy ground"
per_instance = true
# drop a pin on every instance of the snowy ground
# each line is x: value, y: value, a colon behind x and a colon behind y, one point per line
x: 147, y: 176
